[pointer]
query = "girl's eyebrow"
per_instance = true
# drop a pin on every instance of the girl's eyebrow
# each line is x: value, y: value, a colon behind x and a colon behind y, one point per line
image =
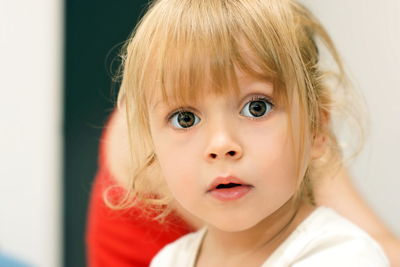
x: 256, y: 86
x: 156, y: 104
x: 245, y: 83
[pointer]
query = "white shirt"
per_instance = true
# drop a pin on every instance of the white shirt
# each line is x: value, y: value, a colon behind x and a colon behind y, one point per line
x: 324, y: 238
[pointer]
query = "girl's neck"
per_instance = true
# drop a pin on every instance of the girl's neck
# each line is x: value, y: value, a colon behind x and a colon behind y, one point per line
x: 255, y: 244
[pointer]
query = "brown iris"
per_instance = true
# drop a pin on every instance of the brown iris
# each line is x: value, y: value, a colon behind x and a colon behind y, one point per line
x: 186, y: 119
x: 257, y: 108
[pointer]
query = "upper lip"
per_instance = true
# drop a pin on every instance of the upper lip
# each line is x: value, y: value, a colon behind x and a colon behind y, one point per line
x: 225, y: 180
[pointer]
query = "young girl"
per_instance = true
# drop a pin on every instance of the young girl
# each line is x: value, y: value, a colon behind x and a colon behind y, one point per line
x: 229, y: 113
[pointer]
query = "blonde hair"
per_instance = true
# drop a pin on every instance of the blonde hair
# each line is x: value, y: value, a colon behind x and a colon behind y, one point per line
x: 179, y: 42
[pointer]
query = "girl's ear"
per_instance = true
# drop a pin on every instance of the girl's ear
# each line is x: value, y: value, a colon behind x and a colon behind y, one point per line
x: 320, y: 139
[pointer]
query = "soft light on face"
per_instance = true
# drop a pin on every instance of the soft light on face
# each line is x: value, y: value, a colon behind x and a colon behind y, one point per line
x: 245, y: 136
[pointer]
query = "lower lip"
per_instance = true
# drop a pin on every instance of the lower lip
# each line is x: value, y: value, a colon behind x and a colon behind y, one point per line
x: 229, y: 194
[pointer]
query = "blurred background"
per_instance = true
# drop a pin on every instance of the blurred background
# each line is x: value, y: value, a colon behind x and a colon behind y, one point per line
x: 56, y: 60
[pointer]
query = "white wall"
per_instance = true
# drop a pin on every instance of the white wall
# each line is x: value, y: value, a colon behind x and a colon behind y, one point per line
x: 30, y: 130
x: 367, y: 34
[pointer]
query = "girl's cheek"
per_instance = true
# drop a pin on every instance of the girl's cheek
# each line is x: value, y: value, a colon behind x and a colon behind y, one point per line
x: 173, y: 148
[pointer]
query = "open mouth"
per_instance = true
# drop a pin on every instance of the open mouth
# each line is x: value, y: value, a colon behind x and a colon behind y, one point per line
x: 226, y: 183
x: 230, y: 191
x: 230, y: 185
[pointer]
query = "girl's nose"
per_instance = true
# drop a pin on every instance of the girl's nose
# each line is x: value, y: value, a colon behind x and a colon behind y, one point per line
x: 230, y: 154
x: 222, y: 146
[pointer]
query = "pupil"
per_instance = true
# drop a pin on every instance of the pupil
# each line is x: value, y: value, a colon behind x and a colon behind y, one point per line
x: 186, y: 119
x: 257, y: 108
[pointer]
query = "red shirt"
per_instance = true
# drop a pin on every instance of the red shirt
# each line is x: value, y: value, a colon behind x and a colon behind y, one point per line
x: 122, y: 238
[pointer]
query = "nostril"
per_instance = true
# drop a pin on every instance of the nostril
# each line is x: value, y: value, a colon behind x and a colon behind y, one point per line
x: 230, y: 153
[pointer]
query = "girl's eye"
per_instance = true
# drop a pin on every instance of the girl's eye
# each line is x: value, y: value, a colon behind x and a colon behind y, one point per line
x: 184, y: 119
x: 257, y: 107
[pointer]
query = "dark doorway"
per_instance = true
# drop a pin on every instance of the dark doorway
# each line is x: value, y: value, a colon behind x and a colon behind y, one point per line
x: 94, y: 32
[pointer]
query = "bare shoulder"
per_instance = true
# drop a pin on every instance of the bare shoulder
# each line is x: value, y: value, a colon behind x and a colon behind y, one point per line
x: 117, y: 146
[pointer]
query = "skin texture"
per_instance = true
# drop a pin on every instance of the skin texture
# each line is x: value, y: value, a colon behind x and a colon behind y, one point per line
x: 338, y: 193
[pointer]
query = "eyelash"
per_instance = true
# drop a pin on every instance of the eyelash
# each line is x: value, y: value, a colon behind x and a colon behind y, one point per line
x: 175, y: 112
x: 252, y: 99
x: 265, y: 98
x: 258, y: 98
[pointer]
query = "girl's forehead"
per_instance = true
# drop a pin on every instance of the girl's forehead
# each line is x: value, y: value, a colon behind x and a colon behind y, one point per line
x: 245, y: 83
x: 181, y: 53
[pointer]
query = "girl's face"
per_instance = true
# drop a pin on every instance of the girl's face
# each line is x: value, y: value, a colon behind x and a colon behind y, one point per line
x: 243, y: 136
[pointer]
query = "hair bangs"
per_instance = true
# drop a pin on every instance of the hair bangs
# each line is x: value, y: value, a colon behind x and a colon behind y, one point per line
x: 198, y: 49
